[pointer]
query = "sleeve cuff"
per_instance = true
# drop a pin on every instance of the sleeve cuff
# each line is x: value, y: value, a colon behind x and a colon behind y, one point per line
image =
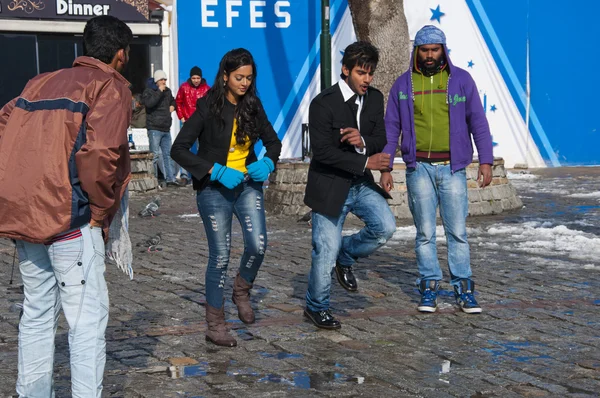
x: 362, y: 151
x: 99, y: 215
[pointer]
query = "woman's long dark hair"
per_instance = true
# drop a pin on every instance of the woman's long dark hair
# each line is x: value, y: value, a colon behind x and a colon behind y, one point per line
x: 249, y: 105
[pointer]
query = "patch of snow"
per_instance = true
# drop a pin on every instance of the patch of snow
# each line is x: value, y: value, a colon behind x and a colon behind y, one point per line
x: 189, y: 215
x: 524, y: 175
x: 588, y: 195
x: 544, y: 239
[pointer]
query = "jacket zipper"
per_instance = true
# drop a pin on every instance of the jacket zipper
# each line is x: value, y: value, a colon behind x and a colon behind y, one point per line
x: 430, y: 116
x: 449, y: 119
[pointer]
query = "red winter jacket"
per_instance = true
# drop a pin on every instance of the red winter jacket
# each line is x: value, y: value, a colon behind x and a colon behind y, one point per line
x: 187, y: 97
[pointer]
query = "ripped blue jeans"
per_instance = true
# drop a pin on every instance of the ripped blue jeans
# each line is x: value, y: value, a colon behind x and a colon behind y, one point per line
x: 329, y: 246
x: 217, y: 205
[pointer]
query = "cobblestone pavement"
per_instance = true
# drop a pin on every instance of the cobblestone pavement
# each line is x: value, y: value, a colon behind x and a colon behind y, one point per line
x: 536, y: 271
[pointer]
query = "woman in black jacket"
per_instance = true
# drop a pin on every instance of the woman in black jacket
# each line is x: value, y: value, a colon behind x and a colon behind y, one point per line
x: 228, y: 178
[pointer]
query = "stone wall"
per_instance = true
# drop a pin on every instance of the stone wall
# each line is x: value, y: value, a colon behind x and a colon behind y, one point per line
x: 142, y: 175
x: 285, y: 194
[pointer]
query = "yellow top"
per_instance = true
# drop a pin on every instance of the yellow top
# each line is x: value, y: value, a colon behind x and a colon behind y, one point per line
x: 236, y: 159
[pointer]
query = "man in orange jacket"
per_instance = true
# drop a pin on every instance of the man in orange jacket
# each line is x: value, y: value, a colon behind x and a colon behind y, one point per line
x: 64, y: 166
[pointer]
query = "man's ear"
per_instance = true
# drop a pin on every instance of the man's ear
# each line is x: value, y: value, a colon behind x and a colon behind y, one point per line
x: 345, y: 71
x: 121, y: 56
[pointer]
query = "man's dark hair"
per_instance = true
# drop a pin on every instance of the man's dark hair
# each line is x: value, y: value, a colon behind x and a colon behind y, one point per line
x: 362, y: 54
x: 104, y: 36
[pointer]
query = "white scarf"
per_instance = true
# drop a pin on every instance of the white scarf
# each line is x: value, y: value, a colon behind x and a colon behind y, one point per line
x: 118, y: 247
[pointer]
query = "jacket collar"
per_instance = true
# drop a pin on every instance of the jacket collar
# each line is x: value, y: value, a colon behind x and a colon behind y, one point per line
x: 347, y: 92
x: 95, y: 63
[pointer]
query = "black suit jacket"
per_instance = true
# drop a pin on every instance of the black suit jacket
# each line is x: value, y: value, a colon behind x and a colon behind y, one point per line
x: 336, y: 165
x: 214, y: 139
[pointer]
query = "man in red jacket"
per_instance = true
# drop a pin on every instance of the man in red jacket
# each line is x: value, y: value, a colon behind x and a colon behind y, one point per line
x: 187, y: 96
x: 190, y: 91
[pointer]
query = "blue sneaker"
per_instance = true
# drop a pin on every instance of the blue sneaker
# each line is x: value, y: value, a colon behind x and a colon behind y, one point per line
x: 465, y: 296
x: 429, y: 292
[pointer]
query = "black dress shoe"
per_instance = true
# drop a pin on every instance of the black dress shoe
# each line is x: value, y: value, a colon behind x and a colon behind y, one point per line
x: 322, y: 319
x: 346, y: 277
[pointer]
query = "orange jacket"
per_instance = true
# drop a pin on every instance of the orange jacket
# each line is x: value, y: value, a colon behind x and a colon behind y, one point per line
x: 64, y: 156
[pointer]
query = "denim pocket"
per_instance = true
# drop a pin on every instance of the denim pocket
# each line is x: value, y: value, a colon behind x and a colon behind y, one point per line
x: 21, y: 252
x: 410, y: 170
x: 98, y: 241
x: 67, y: 262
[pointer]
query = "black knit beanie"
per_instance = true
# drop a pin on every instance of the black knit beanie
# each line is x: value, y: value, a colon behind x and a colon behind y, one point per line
x: 195, y: 71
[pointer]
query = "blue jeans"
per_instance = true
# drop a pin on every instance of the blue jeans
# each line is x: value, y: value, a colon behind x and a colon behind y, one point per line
x: 217, y: 205
x: 329, y: 246
x: 429, y: 186
x: 67, y: 274
x: 160, y: 146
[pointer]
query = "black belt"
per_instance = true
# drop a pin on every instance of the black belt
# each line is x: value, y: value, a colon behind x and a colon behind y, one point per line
x: 359, y: 179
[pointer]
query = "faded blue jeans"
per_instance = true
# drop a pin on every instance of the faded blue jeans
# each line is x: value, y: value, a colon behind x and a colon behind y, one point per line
x: 160, y: 146
x: 329, y: 246
x: 428, y: 186
x: 217, y: 205
x: 67, y: 274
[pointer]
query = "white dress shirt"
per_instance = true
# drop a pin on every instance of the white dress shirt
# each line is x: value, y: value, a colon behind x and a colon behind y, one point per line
x: 347, y: 93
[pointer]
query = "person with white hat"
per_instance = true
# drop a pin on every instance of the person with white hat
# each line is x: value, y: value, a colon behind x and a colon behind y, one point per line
x: 160, y: 103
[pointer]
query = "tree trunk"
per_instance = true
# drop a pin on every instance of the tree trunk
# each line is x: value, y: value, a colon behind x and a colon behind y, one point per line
x: 383, y: 23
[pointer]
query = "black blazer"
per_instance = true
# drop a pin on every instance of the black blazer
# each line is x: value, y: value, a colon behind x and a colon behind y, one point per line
x: 214, y: 139
x: 336, y: 165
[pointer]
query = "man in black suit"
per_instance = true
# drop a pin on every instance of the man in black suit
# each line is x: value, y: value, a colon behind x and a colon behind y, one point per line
x: 347, y: 135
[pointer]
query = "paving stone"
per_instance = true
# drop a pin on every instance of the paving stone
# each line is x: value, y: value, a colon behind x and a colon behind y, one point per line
x: 182, y: 361
x: 129, y: 354
x: 336, y: 337
x: 285, y: 307
x: 354, y: 344
x: 529, y: 391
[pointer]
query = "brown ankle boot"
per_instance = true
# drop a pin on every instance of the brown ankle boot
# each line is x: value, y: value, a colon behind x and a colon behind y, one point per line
x: 241, y: 298
x: 217, y: 332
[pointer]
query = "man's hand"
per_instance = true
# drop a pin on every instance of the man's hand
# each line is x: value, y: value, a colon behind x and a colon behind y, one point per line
x: 182, y: 120
x: 484, y: 176
x: 352, y: 137
x: 379, y: 161
x: 171, y: 108
x: 386, y: 181
x: 96, y: 224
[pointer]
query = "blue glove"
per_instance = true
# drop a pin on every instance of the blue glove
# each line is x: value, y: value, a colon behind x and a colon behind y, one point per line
x: 259, y: 170
x: 230, y: 178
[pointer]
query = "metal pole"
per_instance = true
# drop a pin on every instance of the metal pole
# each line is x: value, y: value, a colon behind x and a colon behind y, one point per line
x: 325, y: 46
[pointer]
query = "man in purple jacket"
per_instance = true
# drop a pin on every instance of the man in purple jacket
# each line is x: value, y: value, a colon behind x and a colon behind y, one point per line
x: 435, y: 107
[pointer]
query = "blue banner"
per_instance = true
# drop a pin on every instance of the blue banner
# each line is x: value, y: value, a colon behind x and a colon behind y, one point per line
x: 563, y: 109
x: 282, y: 35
